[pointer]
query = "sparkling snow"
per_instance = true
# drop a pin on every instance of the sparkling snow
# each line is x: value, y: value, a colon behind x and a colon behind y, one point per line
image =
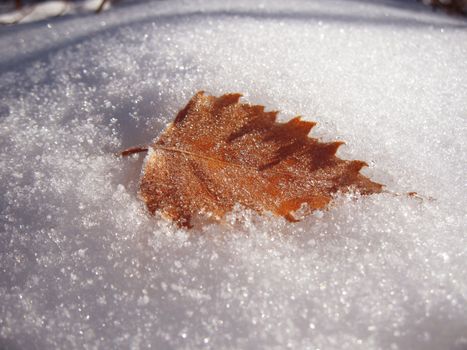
x: 83, y: 266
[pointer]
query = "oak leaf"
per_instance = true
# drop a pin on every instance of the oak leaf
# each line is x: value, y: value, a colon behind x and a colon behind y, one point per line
x: 219, y: 152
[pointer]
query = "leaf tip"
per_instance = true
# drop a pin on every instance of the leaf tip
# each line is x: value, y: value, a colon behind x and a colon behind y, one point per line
x: 303, y: 126
x: 226, y: 100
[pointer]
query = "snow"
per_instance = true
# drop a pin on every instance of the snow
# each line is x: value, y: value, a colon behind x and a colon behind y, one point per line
x: 38, y: 11
x: 82, y: 264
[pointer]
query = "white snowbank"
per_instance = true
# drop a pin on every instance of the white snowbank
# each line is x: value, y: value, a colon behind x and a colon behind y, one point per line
x: 82, y: 265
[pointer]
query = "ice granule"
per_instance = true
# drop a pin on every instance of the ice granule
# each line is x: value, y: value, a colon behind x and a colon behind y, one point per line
x: 83, y: 266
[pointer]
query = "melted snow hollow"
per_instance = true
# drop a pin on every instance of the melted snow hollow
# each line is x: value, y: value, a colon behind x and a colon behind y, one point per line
x: 82, y: 264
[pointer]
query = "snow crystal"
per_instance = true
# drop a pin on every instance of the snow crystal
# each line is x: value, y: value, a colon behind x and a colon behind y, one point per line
x: 82, y: 264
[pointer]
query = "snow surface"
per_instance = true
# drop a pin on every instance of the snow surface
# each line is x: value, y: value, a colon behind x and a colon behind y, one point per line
x: 82, y: 264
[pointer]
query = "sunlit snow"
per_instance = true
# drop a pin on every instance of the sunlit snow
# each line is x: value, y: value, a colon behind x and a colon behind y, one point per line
x: 82, y: 264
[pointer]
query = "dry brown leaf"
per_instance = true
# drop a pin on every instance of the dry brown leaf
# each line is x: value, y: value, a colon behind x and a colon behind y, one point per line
x: 219, y: 152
